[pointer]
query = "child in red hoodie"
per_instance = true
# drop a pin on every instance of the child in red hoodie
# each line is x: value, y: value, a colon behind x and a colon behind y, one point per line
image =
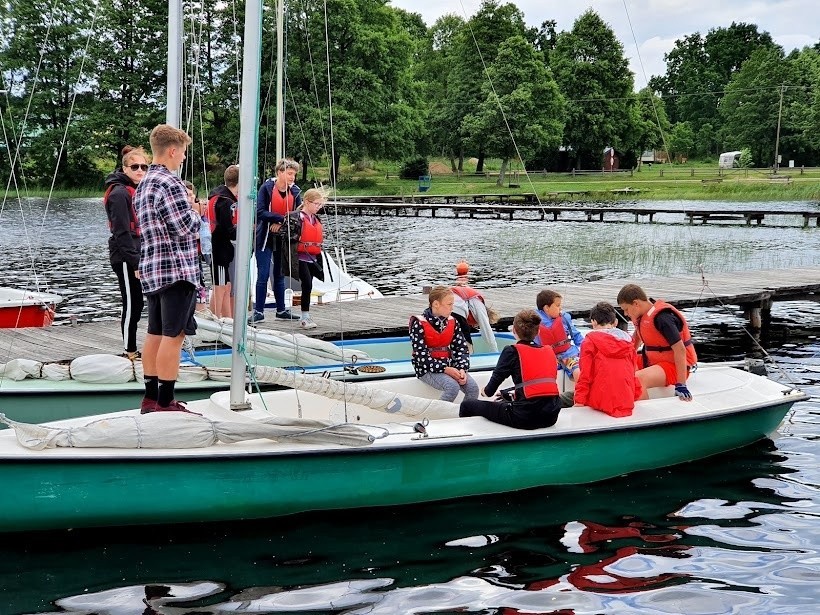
x: 607, y: 381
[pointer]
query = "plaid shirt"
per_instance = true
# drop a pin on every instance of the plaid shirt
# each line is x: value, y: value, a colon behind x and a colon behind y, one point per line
x: 169, y: 230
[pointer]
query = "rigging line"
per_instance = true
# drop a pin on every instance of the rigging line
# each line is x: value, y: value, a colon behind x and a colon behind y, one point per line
x: 67, y: 125
x: 501, y: 109
x: 315, y: 83
x: 266, y: 109
x: 196, y: 92
x: 19, y: 138
x: 12, y: 159
x: 651, y: 94
x: 299, y: 122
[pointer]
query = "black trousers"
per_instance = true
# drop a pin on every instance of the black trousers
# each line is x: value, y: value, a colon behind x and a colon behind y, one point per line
x: 527, y: 414
x: 132, y: 304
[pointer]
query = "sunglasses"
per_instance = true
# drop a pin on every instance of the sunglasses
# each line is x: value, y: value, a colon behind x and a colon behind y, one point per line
x: 138, y: 167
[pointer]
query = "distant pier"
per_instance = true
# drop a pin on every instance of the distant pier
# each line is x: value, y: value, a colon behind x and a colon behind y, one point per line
x: 754, y: 292
x: 526, y: 207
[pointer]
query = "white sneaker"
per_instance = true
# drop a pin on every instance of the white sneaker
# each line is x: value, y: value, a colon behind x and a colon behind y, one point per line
x: 307, y: 323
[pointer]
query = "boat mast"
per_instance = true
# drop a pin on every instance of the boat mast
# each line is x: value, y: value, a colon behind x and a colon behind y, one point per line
x: 248, y: 145
x: 174, y: 83
x: 280, y: 70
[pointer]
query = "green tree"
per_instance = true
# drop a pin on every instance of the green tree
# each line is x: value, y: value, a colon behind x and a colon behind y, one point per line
x: 751, y: 105
x: 475, y: 48
x: 43, y: 61
x: 593, y: 75
x: 681, y: 141
x: 651, y: 124
x: 523, y: 110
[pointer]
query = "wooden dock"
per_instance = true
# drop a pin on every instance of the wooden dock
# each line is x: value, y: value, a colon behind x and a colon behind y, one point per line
x: 530, y: 210
x: 752, y: 291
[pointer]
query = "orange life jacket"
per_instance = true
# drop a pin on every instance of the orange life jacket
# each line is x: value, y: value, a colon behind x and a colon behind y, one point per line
x: 279, y: 205
x: 134, y: 225
x: 212, y: 211
x: 467, y: 293
x: 539, y: 371
x: 555, y: 336
x: 310, y: 241
x: 438, y: 342
x: 655, y: 346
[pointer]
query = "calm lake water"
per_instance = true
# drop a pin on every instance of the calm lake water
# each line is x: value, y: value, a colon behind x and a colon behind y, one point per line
x: 738, y: 533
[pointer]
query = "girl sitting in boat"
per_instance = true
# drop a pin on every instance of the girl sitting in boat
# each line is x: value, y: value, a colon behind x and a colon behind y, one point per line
x: 440, y: 354
x: 533, y: 402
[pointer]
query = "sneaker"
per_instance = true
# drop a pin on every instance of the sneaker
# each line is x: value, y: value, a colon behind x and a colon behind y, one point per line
x: 174, y: 406
x: 256, y: 317
x: 307, y: 323
x: 287, y: 315
x: 148, y: 405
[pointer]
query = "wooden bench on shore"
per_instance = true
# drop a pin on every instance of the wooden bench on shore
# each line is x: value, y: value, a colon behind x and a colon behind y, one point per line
x: 710, y: 216
x: 780, y: 179
x: 711, y: 180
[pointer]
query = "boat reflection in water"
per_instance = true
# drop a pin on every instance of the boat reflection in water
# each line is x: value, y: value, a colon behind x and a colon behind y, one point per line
x: 661, y: 540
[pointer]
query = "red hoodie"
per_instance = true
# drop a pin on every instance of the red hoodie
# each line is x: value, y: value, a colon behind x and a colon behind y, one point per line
x: 607, y: 381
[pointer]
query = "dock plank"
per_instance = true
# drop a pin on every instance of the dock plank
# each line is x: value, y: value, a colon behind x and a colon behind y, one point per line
x: 389, y: 315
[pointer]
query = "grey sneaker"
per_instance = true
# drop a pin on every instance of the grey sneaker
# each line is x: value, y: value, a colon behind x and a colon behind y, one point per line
x: 307, y: 323
x: 256, y: 317
x: 287, y: 315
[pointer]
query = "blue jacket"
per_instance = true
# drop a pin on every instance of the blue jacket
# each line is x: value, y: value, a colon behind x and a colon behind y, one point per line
x: 572, y: 332
x: 265, y: 217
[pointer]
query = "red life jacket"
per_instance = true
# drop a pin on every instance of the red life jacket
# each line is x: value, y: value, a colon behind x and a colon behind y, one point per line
x: 279, y: 205
x: 656, y: 348
x: 539, y: 371
x: 466, y: 293
x: 310, y: 241
x: 134, y: 226
x: 555, y: 336
x: 212, y: 211
x: 438, y: 342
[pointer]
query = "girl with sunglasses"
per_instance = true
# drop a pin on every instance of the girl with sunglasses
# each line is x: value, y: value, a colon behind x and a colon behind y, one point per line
x: 124, y: 242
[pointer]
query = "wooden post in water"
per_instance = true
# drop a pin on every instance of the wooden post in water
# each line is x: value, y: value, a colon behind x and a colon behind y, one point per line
x: 759, y: 315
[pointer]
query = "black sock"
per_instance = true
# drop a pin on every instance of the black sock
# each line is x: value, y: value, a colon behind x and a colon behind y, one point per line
x: 151, y: 387
x: 166, y: 393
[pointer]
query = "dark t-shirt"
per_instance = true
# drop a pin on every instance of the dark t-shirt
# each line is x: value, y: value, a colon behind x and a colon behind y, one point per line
x: 670, y: 326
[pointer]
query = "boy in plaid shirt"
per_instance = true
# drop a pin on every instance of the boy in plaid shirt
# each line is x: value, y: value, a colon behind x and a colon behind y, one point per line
x: 169, y: 271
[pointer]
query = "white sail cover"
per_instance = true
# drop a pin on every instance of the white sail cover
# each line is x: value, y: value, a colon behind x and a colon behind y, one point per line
x: 294, y: 348
x: 363, y: 394
x: 176, y: 430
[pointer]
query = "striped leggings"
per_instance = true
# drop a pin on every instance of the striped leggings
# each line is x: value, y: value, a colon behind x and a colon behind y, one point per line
x: 132, y: 303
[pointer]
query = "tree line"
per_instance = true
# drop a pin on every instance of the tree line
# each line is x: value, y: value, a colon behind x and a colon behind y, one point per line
x: 395, y: 88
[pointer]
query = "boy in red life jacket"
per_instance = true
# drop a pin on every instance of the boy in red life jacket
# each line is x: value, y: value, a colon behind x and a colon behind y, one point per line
x: 668, y: 351
x: 607, y: 381
x: 440, y: 354
x: 533, y: 402
x: 558, y: 332
x: 222, y: 219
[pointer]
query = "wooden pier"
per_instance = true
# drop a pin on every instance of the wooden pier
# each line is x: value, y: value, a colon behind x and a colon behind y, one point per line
x: 494, y: 208
x: 752, y: 291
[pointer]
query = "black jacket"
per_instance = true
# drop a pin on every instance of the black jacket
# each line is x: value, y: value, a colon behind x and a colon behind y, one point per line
x: 224, y: 231
x: 124, y: 243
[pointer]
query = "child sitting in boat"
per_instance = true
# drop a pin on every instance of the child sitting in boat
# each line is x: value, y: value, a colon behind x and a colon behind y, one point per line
x: 558, y: 332
x: 668, y: 354
x: 533, y: 402
x: 440, y: 354
x: 607, y: 381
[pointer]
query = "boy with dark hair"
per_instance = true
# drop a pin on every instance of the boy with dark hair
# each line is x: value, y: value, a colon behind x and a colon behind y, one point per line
x: 668, y: 353
x: 169, y: 269
x: 607, y: 381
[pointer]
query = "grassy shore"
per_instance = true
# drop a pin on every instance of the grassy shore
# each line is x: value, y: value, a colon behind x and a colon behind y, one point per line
x: 694, y: 181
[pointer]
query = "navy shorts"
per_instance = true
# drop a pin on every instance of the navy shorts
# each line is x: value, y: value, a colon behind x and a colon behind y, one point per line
x: 171, y: 310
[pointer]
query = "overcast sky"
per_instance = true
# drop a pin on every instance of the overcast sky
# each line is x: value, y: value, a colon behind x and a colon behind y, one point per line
x: 657, y: 24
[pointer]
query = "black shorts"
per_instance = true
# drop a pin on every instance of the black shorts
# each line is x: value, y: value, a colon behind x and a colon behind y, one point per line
x: 171, y: 310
